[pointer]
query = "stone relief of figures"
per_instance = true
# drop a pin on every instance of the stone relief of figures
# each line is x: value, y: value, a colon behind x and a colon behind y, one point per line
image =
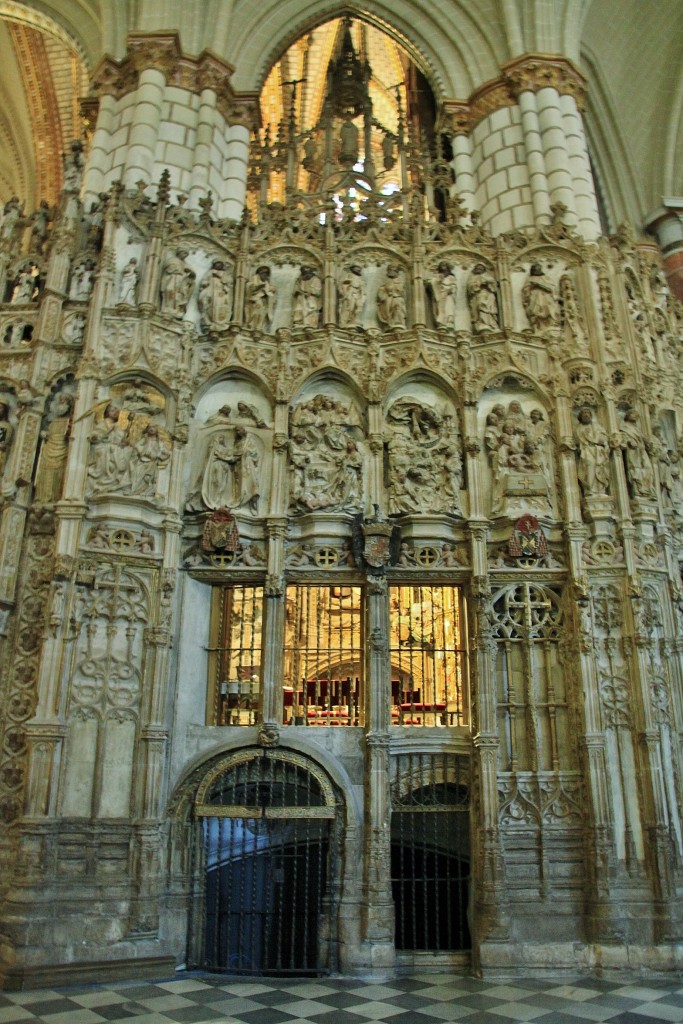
x: 539, y: 301
x: 82, y: 281
x: 668, y: 463
x: 177, y: 283
x: 424, y: 459
x: 232, y: 473
x: 594, y: 455
x: 352, y: 295
x: 260, y: 300
x: 443, y: 287
x: 6, y: 433
x: 326, y: 459
x: 517, y: 444
x: 639, y: 469
x: 482, y: 295
x: 54, y: 449
x: 127, y: 449
x: 391, y: 298
x: 307, y: 306
x: 128, y: 286
x: 215, y: 297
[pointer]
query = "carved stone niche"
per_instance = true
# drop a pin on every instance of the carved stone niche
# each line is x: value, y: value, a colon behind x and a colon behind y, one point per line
x: 515, y: 427
x: 289, y: 296
x: 230, y: 451
x: 373, y: 290
x: 328, y: 456
x: 423, y: 452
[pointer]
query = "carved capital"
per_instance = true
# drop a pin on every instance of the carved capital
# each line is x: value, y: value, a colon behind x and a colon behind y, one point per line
x: 535, y: 71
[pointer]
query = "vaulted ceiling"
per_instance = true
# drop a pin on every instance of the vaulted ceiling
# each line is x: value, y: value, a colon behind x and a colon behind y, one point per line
x: 630, y: 51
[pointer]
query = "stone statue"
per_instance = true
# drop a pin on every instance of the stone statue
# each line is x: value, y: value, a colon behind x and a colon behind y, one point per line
x: 391, y: 299
x: 110, y: 456
x: 129, y: 283
x: 82, y: 281
x: 6, y: 435
x: 149, y: 454
x: 74, y: 162
x: 260, y: 300
x: 352, y: 292
x: 539, y: 301
x: 53, y: 451
x: 308, y: 305
x: 444, y: 287
x: 247, y: 459
x: 177, y: 282
x: 594, y: 451
x: 13, y: 212
x: 483, y: 300
x: 639, y: 468
x: 40, y: 221
x: 24, y: 287
x: 215, y: 297
x: 218, y: 484
x: 662, y: 453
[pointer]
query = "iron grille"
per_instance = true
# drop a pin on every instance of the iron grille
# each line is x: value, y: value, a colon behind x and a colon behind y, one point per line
x: 430, y: 852
x: 235, y: 656
x: 323, y: 656
x: 267, y: 831
x: 428, y: 656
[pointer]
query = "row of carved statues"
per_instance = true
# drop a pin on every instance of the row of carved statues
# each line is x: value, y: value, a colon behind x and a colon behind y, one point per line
x: 328, y: 454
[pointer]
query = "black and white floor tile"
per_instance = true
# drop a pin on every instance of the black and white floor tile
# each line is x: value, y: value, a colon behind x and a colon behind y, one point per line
x: 419, y: 999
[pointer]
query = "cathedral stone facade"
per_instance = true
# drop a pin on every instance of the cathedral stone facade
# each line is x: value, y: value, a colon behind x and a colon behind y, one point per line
x: 341, y: 614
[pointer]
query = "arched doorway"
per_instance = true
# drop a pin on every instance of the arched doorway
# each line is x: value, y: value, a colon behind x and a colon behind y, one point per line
x: 267, y: 824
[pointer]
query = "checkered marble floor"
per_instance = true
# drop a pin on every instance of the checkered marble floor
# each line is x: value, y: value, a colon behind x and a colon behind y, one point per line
x: 419, y: 999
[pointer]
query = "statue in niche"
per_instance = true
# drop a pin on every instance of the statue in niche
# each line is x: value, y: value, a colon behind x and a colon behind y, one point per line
x: 40, y: 221
x: 539, y: 301
x: 517, y: 445
x: 665, y: 462
x: 24, y: 286
x: 325, y: 457
x: 594, y: 452
x: 151, y: 451
x: 260, y: 300
x: 444, y: 288
x: 424, y: 460
x: 308, y: 305
x: 639, y: 468
x: 391, y: 298
x: 248, y: 460
x: 352, y: 293
x: 6, y: 434
x: 53, y: 451
x: 75, y: 329
x: 109, y: 463
x: 177, y: 282
x: 219, y: 474
x: 73, y: 162
x: 215, y: 297
x: 129, y: 283
x: 12, y: 220
x: 572, y: 321
x: 482, y: 296
x: 82, y: 281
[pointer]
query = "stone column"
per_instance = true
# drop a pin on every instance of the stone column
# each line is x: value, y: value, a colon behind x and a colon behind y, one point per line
x: 666, y: 224
x: 98, y: 158
x: 556, y: 157
x: 582, y: 174
x: 144, y: 129
x: 533, y: 146
x: 235, y: 173
x: 206, y: 123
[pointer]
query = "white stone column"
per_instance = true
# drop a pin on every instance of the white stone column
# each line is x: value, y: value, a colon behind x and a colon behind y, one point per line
x: 464, y: 170
x: 582, y: 175
x: 99, y: 158
x: 206, y: 125
x: 533, y: 145
x: 235, y: 173
x: 557, y: 164
x: 144, y: 130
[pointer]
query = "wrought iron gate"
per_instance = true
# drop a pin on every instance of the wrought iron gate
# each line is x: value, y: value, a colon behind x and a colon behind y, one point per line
x: 267, y: 834
x: 430, y: 852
